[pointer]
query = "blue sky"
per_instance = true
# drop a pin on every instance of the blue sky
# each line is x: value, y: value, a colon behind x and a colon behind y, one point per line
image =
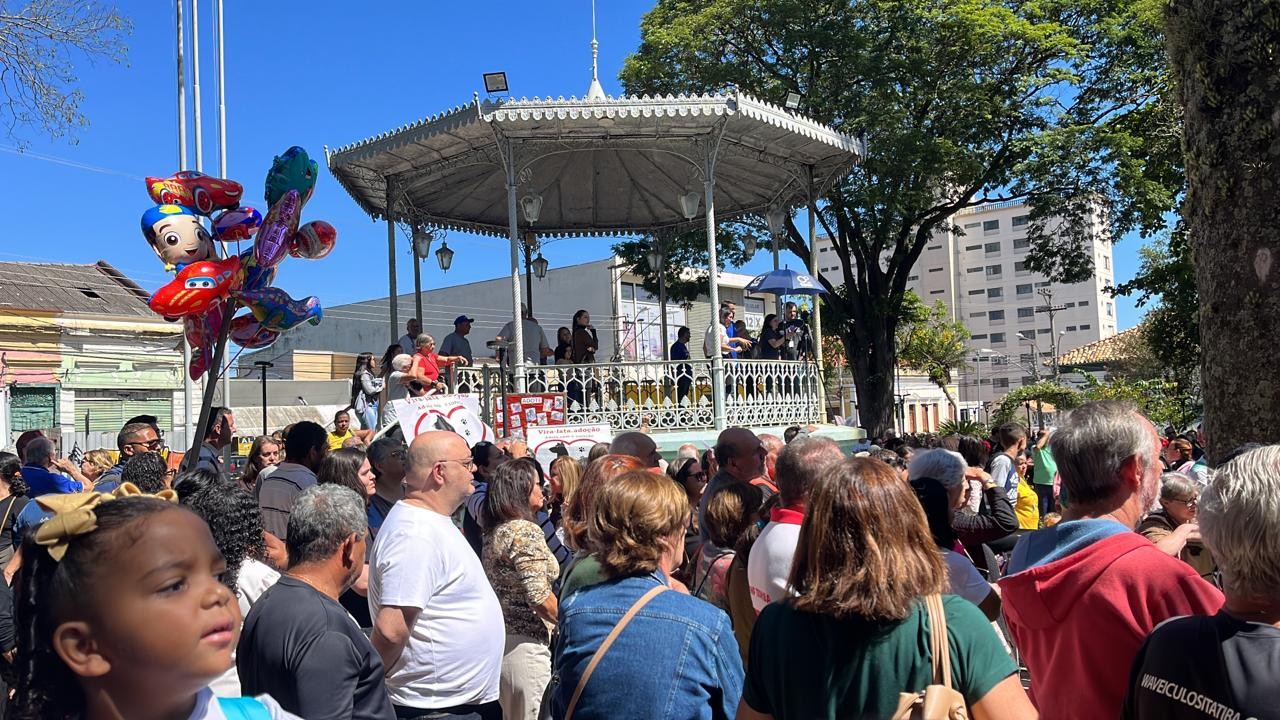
x: 311, y: 74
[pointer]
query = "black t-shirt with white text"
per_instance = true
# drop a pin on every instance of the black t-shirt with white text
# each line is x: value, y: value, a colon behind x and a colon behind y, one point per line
x: 1192, y: 668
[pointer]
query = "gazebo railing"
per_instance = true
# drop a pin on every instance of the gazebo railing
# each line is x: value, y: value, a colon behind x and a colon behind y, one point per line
x: 662, y: 395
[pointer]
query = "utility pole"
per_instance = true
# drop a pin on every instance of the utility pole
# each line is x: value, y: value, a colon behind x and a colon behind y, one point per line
x: 1050, y: 309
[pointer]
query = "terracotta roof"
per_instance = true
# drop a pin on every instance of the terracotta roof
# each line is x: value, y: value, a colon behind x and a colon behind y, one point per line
x: 97, y: 289
x: 1108, y: 350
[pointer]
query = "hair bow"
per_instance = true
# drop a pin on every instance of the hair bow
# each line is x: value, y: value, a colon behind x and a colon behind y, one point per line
x: 73, y: 514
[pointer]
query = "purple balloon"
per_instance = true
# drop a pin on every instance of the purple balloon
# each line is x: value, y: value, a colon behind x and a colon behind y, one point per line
x: 277, y: 230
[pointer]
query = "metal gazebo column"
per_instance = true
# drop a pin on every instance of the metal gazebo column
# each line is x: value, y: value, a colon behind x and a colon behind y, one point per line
x: 817, y: 299
x: 393, y: 300
x: 717, y: 362
x: 509, y: 159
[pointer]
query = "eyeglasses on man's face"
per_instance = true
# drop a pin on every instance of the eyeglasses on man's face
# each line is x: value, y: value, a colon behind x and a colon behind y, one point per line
x: 153, y: 445
x: 466, y: 462
x: 1190, y: 504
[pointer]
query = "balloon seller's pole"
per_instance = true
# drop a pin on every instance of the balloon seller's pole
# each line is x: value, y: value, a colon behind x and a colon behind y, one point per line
x: 221, y: 91
x: 195, y: 83
x: 206, y: 404
x: 188, y: 386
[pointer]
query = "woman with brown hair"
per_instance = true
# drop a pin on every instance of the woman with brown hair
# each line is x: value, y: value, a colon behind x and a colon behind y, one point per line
x: 584, y: 569
x: 675, y: 655
x: 264, y: 453
x: 566, y: 474
x: 854, y: 636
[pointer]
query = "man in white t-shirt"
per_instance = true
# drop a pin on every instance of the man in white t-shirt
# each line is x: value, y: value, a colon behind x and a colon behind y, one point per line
x: 799, y: 464
x: 437, y: 622
x: 409, y: 340
x: 1013, y: 441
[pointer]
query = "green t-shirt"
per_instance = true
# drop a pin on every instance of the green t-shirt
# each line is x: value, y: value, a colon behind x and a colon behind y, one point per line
x: 805, y: 666
x: 583, y: 571
x: 1044, y: 467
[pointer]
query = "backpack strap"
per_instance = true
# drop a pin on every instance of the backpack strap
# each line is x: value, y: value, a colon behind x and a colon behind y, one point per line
x: 243, y: 708
x: 940, y: 655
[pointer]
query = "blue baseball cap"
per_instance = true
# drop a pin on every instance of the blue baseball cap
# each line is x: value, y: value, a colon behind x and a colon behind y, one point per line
x: 461, y: 319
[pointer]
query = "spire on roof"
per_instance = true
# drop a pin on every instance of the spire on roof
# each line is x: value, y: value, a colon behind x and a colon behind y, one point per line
x: 595, y: 92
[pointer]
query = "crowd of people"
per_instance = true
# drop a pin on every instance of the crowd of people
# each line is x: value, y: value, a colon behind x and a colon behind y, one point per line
x: 1094, y: 570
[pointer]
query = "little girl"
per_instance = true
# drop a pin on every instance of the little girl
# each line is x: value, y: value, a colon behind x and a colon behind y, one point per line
x: 122, y: 613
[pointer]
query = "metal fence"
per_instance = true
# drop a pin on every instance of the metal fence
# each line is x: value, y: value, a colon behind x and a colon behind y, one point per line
x: 663, y: 395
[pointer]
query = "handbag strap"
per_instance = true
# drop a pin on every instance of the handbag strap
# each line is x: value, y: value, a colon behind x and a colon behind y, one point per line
x: 608, y: 641
x: 939, y: 645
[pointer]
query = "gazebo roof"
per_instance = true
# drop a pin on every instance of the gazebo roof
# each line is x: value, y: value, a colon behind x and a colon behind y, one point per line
x: 602, y: 166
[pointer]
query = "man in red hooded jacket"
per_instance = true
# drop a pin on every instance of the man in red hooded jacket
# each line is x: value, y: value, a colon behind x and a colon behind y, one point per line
x: 1081, y: 596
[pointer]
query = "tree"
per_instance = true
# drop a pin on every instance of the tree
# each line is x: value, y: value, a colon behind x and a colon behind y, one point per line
x: 934, y: 344
x: 1060, y: 397
x: 1160, y: 400
x: 960, y: 102
x: 1171, y: 328
x: 1224, y: 55
x: 38, y: 83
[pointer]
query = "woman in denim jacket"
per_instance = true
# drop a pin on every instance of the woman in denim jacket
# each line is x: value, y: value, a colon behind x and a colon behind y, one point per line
x: 677, y: 657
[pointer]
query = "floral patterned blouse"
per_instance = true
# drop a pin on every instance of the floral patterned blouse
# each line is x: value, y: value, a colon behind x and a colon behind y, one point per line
x: 521, y: 569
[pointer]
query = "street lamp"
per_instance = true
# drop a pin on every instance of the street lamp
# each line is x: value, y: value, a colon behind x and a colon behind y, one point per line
x: 689, y: 204
x: 540, y: 266
x: 531, y: 207
x: 263, y: 365
x: 422, y: 239
x: 444, y: 256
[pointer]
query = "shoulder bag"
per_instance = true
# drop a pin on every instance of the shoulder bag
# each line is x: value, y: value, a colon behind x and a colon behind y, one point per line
x: 938, y: 701
x: 604, y: 646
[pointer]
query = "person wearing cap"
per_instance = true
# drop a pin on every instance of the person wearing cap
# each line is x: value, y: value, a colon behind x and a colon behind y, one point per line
x: 456, y: 342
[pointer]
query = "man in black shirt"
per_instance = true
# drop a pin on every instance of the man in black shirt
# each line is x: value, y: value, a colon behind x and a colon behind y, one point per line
x: 298, y: 644
x: 1224, y: 666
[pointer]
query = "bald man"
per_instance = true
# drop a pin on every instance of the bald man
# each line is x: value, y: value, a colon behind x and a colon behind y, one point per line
x: 740, y: 456
x: 437, y: 622
x: 637, y: 445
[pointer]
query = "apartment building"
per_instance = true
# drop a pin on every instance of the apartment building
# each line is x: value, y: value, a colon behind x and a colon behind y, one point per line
x: 980, y: 272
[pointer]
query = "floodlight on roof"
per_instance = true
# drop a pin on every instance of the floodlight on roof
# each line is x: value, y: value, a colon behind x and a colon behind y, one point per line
x: 793, y: 101
x: 495, y: 82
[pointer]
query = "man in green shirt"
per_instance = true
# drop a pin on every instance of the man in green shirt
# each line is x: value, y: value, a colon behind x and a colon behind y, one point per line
x: 1043, y: 472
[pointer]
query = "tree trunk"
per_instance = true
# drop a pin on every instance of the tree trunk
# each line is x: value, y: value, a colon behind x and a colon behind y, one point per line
x: 955, y: 408
x: 870, y: 350
x: 1224, y: 54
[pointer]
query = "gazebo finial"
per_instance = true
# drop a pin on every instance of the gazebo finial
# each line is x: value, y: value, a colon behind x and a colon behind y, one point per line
x: 595, y: 92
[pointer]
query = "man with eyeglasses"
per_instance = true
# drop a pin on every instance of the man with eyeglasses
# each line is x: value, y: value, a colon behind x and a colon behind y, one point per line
x: 437, y: 622
x: 133, y: 439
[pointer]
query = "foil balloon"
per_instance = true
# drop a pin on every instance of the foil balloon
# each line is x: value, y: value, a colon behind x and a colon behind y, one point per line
x: 176, y: 235
x: 313, y: 240
x: 292, y: 170
x: 197, y: 287
x: 275, y: 310
x: 277, y: 230
x: 254, y: 277
x: 202, y: 335
x: 236, y: 224
x: 248, y: 333
x: 202, y: 193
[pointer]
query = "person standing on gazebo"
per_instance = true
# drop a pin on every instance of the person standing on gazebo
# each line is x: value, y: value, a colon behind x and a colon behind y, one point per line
x: 583, y: 352
x: 717, y: 340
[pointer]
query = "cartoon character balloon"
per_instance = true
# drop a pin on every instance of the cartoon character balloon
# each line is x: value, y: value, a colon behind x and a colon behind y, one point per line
x: 176, y: 235
x: 197, y: 287
x: 275, y: 310
x: 292, y: 170
x: 195, y: 190
x: 237, y: 224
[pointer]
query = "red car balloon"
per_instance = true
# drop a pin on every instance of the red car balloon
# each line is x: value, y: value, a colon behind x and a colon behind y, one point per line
x: 197, y: 287
x: 202, y: 193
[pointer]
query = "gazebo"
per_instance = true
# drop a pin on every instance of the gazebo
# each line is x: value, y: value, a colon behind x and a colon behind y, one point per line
x: 596, y: 166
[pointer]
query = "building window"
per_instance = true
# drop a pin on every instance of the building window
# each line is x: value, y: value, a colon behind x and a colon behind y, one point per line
x: 997, y: 338
x: 1026, y: 357
x: 1106, y: 262
x: 993, y: 271
x: 1084, y: 303
x: 934, y: 247
x: 1111, y: 309
x: 1020, y: 220
x: 824, y: 250
x: 990, y: 226
x: 977, y: 314
x: 979, y: 291
x: 912, y: 278
x: 1071, y: 328
x: 935, y: 269
x: 973, y: 269
x: 1042, y: 284
x: 967, y: 248
x: 995, y: 293
x: 995, y: 315
x: 1026, y: 312
x: 971, y: 225
x: 1021, y: 243
x: 979, y: 337
x: 1000, y: 383
x: 991, y: 248
x: 1085, y: 327
x: 1027, y: 380
x: 1070, y: 305
x: 1020, y: 266
x: 936, y: 292
x: 1042, y: 331
x: 1024, y: 289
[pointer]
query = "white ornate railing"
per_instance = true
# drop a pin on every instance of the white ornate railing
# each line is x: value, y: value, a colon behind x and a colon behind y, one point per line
x: 664, y: 395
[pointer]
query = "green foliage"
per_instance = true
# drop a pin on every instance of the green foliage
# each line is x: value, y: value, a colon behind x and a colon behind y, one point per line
x: 1012, y: 406
x: 963, y: 427
x: 1160, y: 400
x: 1166, y: 280
x: 934, y: 344
x: 39, y: 44
x: 960, y: 102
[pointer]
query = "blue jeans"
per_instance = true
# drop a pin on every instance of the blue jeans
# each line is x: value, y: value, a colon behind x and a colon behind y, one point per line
x: 369, y: 418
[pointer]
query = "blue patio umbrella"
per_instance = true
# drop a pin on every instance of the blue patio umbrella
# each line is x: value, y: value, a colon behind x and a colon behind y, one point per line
x: 785, y: 282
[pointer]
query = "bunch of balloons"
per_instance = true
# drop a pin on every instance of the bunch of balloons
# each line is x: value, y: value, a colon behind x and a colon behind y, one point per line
x: 207, y: 283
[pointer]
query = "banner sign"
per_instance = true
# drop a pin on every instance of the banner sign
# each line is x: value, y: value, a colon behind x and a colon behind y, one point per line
x: 547, y: 443
x: 529, y: 410
x: 454, y: 413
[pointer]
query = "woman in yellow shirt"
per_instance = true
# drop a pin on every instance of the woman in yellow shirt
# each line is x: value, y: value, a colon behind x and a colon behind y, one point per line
x: 1027, y: 506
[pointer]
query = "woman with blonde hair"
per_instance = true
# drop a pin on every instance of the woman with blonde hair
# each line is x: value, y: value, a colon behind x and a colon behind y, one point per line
x: 584, y: 569
x: 854, y: 636
x: 675, y: 654
x: 95, y: 463
x: 565, y: 475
